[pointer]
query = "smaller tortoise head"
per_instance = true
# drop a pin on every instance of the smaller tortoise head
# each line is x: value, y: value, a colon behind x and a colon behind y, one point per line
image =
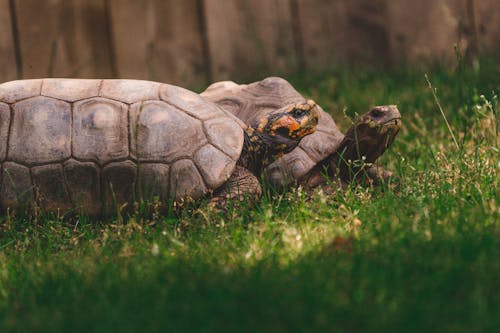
x: 373, y: 132
x: 278, y: 133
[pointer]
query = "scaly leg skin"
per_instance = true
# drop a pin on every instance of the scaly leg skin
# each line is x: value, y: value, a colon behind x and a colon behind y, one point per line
x: 377, y: 175
x: 241, y: 186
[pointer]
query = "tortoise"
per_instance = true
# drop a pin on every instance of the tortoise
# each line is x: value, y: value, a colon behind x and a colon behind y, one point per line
x: 94, y: 145
x: 328, y: 153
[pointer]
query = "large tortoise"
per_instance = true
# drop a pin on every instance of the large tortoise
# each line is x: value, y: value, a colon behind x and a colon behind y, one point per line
x: 327, y: 153
x: 93, y: 145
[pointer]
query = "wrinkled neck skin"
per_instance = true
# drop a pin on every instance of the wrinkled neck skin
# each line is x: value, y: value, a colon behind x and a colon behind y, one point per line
x: 260, y: 150
x: 361, y: 146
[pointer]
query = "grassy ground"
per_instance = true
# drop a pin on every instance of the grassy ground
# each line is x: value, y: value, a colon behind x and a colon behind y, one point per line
x: 422, y: 257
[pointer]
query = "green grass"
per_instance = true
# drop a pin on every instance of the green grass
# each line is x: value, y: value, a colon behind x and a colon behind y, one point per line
x: 422, y: 257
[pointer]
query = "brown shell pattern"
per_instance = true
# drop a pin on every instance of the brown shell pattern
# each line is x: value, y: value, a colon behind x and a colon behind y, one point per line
x: 92, y: 145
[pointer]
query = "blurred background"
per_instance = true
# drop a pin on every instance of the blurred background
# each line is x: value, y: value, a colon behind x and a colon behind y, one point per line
x: 194, y: 42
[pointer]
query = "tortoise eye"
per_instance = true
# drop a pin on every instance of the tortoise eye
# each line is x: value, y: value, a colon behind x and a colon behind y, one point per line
x: 297, y: 112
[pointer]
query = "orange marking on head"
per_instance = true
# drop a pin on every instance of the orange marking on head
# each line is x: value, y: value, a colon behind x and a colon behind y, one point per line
x: 286, y: 122
x: 305, y: 132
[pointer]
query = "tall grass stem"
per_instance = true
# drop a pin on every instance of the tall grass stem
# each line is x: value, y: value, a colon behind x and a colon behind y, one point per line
x: 441, y: 110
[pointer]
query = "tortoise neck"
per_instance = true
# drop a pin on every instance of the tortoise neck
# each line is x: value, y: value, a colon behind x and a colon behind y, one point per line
x: 356, y: 151
x: 257, y: 152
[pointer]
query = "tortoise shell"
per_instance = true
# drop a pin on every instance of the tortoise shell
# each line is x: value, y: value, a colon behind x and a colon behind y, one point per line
x: 92, y: 144
x: 252, y: 101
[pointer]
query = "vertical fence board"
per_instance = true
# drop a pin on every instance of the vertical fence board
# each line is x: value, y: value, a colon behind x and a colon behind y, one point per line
x: 323, y: 36
x: 130, y: 37
x: 343, y: 31
x: 487, y: 13
x: 7, y: 51
x: 63, y: 38
x: 158, y: 40
x: 427, y: 29
x: 248, y: 37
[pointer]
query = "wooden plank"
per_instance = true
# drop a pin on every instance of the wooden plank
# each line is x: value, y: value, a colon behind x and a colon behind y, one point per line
x: 249, y: 37
x: 323, y: 32
x: 159, y: 40
x: 63, y: 38
x: 333, y: 32
x: 426, y: 29
x: 486, y: 14
x: 7, y: 51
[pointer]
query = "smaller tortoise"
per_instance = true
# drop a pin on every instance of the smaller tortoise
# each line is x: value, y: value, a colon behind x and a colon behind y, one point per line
x: 327, y: 152
x: 93, y: 145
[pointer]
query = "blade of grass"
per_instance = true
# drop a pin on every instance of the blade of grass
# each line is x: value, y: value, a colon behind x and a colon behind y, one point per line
x: 436, y: 99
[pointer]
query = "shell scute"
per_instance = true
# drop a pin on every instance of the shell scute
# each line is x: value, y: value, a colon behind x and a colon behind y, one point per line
x: 319, y: 145
x: 84, y: 186
x: 214, y: 165
x: 100, y: 130
x: 191, y: 103
x: 225, y: 135
x: 291, y: 166
x: 41, y: 131
x: 161, y: 132
x: 70, y: 90
x: 118, y: 184
x: 16, y: 189
x: 153, y: 181
x: 13, y: 91
x: 130, y: 91
x: 48, y: 181
x: 186, y: 181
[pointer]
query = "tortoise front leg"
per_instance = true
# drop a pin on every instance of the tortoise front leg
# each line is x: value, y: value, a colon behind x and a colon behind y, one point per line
x: 241, y: 186
x: 379, y: 175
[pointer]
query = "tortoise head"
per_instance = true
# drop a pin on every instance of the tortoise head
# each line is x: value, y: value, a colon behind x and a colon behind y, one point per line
x: 282, y: 130
x: 277, y: 133
x: 373, y: 133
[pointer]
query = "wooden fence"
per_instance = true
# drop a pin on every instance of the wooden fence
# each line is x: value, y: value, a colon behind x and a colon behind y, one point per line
x: 192, y: 42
